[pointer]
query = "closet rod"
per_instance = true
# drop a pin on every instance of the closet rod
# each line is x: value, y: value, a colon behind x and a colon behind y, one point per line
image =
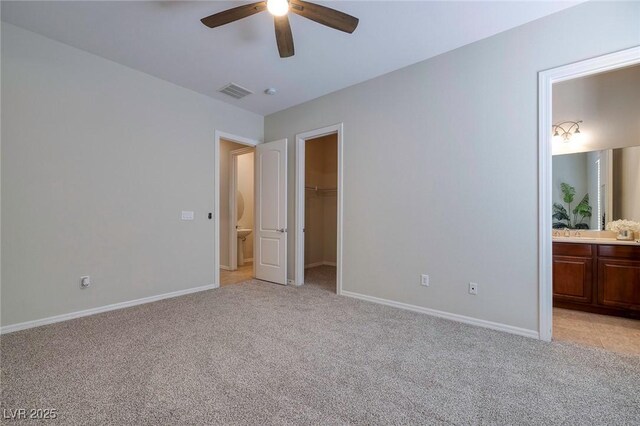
x: 315, y: 188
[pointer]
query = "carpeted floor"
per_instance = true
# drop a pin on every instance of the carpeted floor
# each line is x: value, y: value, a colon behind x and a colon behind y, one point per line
x: 322, y: 277
x: 259, y: 353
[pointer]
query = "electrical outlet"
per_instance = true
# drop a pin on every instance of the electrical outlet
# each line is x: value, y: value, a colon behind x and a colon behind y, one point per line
x: 425, y: 280
x: 85, y: 281
x: 473, y: 288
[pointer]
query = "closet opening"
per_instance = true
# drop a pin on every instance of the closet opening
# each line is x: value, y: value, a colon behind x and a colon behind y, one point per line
x: 321, y: 211
x: 318, y: 209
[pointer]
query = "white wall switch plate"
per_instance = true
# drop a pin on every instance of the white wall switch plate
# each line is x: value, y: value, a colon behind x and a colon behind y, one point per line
x: 187, y: 215
x: 424, y: 280
x: 473, y: 288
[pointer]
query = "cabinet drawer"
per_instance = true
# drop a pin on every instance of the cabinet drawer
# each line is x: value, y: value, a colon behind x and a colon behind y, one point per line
x: 619, y: 283
x: 620, y: 252
x: 572, y: 249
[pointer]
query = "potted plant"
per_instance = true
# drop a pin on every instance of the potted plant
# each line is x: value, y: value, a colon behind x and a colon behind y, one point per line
x: 580, y: 212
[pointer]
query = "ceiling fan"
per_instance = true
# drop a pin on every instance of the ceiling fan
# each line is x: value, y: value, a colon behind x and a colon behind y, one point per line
x: 279, y: 9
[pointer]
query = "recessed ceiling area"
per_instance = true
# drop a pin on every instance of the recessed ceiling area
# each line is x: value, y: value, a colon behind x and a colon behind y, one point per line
x: 167, y: 40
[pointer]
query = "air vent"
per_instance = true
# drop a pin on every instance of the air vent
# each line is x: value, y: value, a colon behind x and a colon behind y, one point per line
x: 235, y: 91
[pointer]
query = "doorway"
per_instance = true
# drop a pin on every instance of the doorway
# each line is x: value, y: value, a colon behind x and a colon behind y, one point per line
x: 578, y: 250
x: 234, y: 209
x: 269, y: 211
x: 319, y: 209
x: 237, y: 201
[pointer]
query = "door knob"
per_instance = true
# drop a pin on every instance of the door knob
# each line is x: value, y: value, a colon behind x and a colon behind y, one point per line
x: 282, y: 230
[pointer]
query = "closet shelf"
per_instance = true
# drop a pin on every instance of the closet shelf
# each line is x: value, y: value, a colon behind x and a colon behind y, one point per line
x: 315, y: 188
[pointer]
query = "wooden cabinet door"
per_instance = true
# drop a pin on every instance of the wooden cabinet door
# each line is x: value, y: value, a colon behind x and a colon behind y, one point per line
x: 619, y: 283
x: 572, y: 278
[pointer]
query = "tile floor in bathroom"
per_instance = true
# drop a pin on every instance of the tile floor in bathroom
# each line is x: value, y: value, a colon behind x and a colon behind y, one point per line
x: 243, y: 273
x: 602, y: 331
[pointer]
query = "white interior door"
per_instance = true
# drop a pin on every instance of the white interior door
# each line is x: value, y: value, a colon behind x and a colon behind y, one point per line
x: 270, y: 257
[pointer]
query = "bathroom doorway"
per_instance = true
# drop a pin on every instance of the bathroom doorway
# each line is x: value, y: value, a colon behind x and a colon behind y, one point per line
x: 318, y: 209
x: 588, y: 280
x: 236, y: 211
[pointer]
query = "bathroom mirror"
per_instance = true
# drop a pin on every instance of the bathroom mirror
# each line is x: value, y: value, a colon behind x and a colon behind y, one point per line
x: 602, y: 186
x: 239, y: 205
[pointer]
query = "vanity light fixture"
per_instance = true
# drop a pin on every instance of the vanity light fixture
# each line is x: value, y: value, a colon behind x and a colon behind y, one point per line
x: 570, y: 128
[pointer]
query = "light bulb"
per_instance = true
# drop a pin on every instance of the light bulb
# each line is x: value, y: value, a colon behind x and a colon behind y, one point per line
x: 577, y: 137
x: 278, y: 7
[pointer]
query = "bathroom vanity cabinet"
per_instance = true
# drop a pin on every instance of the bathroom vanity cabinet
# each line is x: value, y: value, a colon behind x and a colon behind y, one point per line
x: 599, y: 278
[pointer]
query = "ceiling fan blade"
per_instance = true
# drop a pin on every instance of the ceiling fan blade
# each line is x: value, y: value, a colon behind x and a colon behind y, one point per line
x: 324, y: 15
x: 234, y: 14
x: 284, y: 38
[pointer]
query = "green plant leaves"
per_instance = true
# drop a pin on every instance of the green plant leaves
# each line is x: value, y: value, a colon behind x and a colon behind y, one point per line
x: 583, y: 208
x: 568, y: 191
x: 561, y: 214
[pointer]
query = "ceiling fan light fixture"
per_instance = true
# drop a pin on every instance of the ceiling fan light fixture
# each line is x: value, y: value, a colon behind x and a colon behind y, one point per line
x: 278, y: 7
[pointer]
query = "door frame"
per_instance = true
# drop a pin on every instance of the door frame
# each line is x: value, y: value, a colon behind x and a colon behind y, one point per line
x: 218, y: 135
x: 233, y: 212
x: 546, y: 79
x: 301, y: 139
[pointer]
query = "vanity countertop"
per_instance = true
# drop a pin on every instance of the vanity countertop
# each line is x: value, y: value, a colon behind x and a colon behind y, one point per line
x: 591, y: 240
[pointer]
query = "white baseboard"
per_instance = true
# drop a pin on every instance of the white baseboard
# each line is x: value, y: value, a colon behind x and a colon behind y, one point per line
x: 249, y: 259
x: 225, y: 267
x: 322, y: 263
x: 446, y: 315
x: 65, y: 317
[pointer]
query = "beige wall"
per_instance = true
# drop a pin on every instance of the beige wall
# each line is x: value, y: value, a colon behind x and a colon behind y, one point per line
x: 245, y: 192
x: 321, y: 170
x: 441, y: 165
x: 626, y: 183
x: 607, y: 103
x: 98, y: 161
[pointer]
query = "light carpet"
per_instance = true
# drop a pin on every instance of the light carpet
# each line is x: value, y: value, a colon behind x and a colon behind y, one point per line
x: 259, y: 353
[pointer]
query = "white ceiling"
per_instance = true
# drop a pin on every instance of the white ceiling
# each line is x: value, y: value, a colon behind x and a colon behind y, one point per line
x: 167, y: 40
